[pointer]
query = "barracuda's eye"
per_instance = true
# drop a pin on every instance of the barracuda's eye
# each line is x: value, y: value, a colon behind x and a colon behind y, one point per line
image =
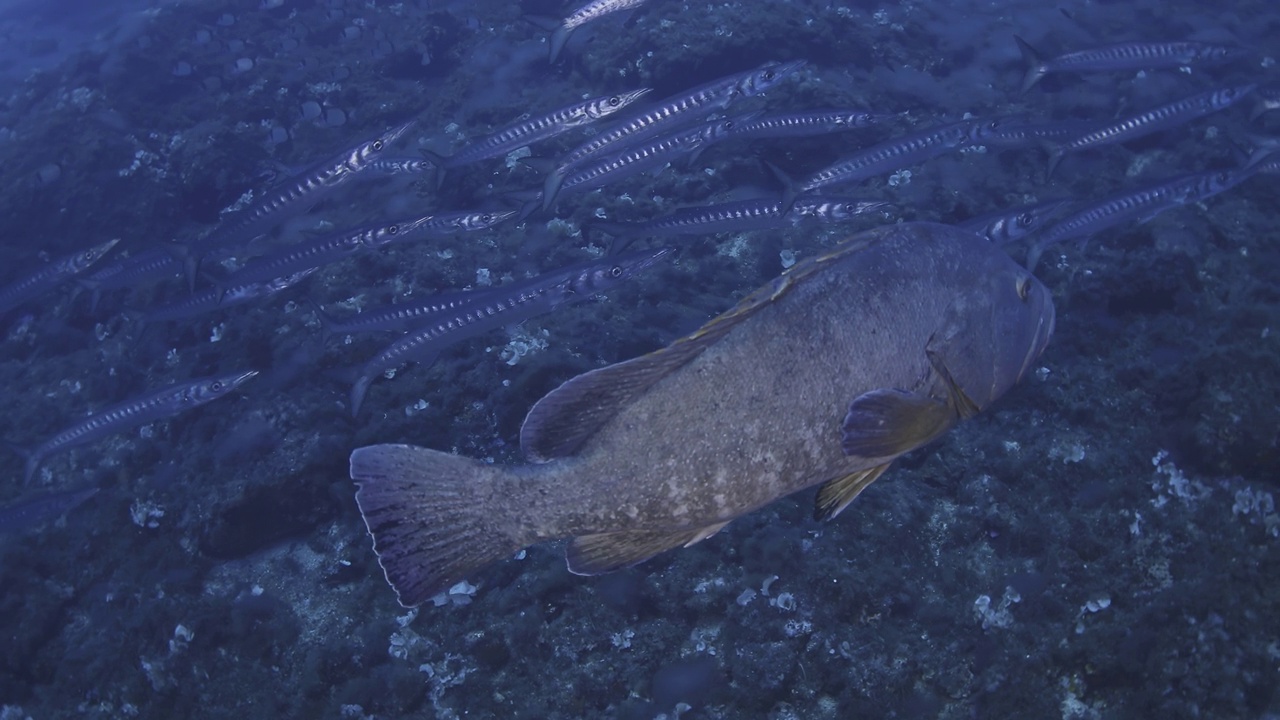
x: 1024, y: 288
x: 768, y: 75
x: 216, y: 386
x: 393, y: 229
x: 486, y: 218
x: 377, y: 144
x: 613, y: 101
x: 615, y: 271
x: 1025, y: 219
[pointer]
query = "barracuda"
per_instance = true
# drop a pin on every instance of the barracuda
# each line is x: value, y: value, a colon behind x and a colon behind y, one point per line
x: 685, y: 107
x: 1122, y: 56
x: 1142, y: 204
x: 157, y: 405
x: 758, y: 214
x: 51, y: 275
x: 1007, y: 226
x: 294, y: 196
x: 502, y: 307
x: 216, y: 298
x: 1164, y: 117
x: 543, y: 127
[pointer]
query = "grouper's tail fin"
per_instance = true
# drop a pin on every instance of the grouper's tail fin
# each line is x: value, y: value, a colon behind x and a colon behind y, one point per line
x: 427, y: 514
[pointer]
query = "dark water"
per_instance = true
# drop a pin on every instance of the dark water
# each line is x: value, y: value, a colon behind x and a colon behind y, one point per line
x: 1102, y: 544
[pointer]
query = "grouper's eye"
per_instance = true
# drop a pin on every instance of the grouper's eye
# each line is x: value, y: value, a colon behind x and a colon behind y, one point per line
x: 1024, y: 288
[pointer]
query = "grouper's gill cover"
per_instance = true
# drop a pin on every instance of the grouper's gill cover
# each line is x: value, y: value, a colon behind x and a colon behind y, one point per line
x: 824, y: 376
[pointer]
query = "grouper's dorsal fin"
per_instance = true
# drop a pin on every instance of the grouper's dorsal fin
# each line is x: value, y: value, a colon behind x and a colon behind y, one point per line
x: 836, y: 494
x: 561, y: 422
x: 606, y: 552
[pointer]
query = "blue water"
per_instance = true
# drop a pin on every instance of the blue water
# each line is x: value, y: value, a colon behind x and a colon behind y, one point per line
x: 1103, y: 543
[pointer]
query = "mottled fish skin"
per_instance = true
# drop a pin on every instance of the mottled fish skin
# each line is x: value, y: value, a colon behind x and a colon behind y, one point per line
x: 1122, y: 56
x: 1008, y: 226
x: 683, y: 108
x: 824, y: 376
x: 503, y: 306
x: 1168, y: 116
x: 51, y: 275
x: 543, y: 127
x: 589, y: 12
x: 1141, y: 204
x: 295, y: 195
x: 157, y: 405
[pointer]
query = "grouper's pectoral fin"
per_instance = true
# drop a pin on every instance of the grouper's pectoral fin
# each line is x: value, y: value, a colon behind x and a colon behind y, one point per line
x: 606, y: 552
x: 836, y: 494
x: 889, y: 422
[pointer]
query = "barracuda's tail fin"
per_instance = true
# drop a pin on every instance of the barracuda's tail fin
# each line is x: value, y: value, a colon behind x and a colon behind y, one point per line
x: 1031, y: 58
x: 428, y: 515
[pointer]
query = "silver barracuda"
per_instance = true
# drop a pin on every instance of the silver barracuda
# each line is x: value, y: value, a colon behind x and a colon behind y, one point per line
x: 325, y: 250
x: 1156, y: 119
x: 644, y: 156
x: 1141, y: 204
x: 295, y: 196
x: 499, y: 307
x: 590, y: 12
x: 217, y: 298
x: 745, y: 215
x: 683, y: 108
x: 158, y: 405
x: 401, y: 166
x: 397, y: 318
x: 900, y: 152
x: 806, y: 124
x: 542, y: 127
x: 1011, y: 225
x: 1121, y: 57
x: 52, y: 275
x: 823, y: 377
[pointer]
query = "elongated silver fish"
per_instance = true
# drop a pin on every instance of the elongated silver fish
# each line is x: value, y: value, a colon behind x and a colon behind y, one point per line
x: 157, y: 405
x: 1122, y: 56
x: 1141, y: 204
x: 757, y: 214
x: 52, y: 275
x: 401, y: 166
x: 496, y: 308
x: 295, y: 195
x: 897, y: 153
x: 648, y: 155
x: 542, y: 127
x: 1156, y: 119
x: 218, y: 298
x: 590, y: 12
x: 823, y: 377
x: 1011, y: 225
x: 21, y: 516
x: 400, y: 317
x: 806, y: 124
x: 333, y: 248
x: 668, y: 114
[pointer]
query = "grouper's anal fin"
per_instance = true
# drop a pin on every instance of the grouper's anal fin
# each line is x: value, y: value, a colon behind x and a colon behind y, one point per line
x: 836, y: 494
x: 561, y: 422
x: 606, y: 552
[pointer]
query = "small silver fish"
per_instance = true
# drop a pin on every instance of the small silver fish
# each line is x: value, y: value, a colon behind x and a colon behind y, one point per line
x: 156, y: 405
x: 51, y: 275
x: 1122, y: 56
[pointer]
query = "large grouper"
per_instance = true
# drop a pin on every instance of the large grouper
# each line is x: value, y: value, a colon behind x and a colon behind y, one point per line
x: 824, y: 376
